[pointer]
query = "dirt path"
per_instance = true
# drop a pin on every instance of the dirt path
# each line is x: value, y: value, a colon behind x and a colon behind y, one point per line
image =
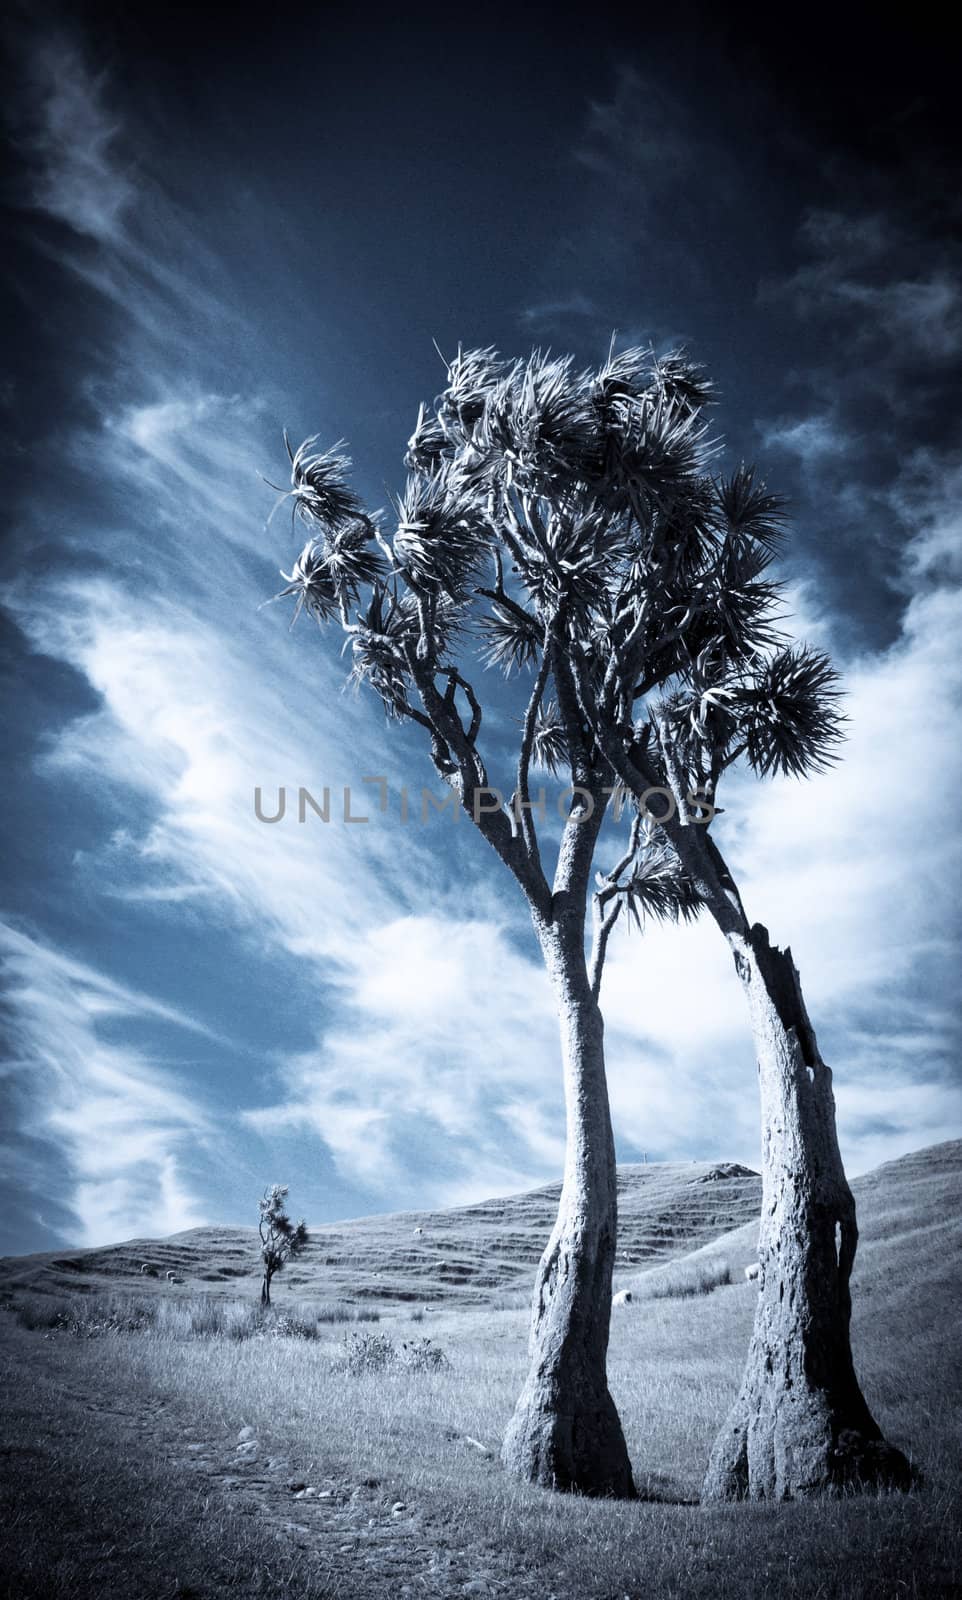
x: 109, y: 1492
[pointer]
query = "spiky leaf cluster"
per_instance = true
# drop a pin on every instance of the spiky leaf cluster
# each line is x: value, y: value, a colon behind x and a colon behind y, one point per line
x: 660, y: 892
x: 657, y: 888
x: 788, y: 713
x: 538, y: 427
x: 442, y: 538
x: 550, y: 747
x: 682, y: 381
x: 311, y: 583
x: 319, y: 488
x: 511, y: 637
x: 782, y: 711
x: 386, y: 627
x: 281, y: 1239
x: 580, y: 506
x: 749, y: 511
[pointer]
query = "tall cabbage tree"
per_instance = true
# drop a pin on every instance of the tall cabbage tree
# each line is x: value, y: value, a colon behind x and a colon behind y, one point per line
x: 687, y: 678
x: 536, y: 495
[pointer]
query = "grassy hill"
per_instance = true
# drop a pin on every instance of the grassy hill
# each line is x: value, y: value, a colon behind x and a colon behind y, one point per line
x: 470, y: 1255
x: 910, y: 1229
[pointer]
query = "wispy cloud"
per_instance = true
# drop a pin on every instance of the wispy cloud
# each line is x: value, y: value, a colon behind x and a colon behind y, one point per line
x: 63, y: 124
x: 121, y: 1125
x: 552, y: 313
x: 643, y: 130
x: 446, y: 1034
x: 811, y: 439
x: 902, y: 285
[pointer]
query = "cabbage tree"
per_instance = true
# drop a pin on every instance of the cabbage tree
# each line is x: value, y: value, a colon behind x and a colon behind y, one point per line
x: 536, y: 496
x: 281, y: 1239
x: 694, y: 679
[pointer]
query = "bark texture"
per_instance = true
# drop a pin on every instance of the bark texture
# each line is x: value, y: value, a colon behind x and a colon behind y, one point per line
x: 800, y: 1425
x: 565, y: 1432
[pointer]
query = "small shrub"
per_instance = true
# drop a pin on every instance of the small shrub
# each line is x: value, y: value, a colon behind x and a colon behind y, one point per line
x: 289, y: 1325
x: 423, y: 1356
x: 374, y: 1352
x: 368, y: 1352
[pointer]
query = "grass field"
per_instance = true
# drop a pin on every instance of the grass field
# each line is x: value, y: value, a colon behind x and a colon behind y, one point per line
x: 173, y: 1459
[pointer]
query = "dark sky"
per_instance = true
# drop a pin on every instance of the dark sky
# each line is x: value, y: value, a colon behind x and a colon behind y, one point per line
x: 218, y: 228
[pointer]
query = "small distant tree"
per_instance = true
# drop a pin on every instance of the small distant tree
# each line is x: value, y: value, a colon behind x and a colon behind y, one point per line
x: 281, y: 1239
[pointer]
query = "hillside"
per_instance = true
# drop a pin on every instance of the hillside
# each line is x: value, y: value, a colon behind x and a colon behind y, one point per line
x: 484, y: 1254
x: 470, y: 1255
x: 909, y: 1218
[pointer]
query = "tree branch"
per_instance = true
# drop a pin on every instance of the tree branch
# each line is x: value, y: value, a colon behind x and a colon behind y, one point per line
x: 570, y: 709
x: 471, y: 775
x: 528, y: 831
x: 603, y: 925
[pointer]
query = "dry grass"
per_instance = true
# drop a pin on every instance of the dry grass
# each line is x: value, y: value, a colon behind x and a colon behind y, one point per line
x: 674, y: 1368
x: 186, y: 1317
x: 682, y: 1280
x: 395, y: 1433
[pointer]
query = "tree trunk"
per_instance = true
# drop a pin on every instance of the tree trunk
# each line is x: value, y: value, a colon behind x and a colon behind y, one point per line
x: 565, y: 1432
x: 800, y: 1425
x: 266, y: 1290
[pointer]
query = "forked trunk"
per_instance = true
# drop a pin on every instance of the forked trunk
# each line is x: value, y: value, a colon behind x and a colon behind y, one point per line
x: 800, y: 1425
x: 565, y: 1432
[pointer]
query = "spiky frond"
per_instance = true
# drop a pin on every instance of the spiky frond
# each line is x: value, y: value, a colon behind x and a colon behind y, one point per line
x: 655, y: 446
x: 471, y: 377
x: 540, y: 426
x: 441, y: 539
x: 682, y: 381
x: 512, y: 640
x: 352, y: 558
x: 310, y: 580
x: 319, y: 487
x: 625, y: 374
x: 686, y: 529
x: 749, y: 511
x: 740, y: 612
x: 427, y: 444
x: 699, y: 720
x: 583, y: 549
x: 658, y: 888
x: 550, y: 747
x: 789, y: 713
x: 378, y: 646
